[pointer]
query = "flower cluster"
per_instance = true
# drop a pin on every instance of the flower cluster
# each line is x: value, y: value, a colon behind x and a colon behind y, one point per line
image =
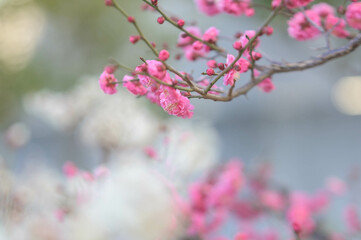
x: 171, y: 89
x: 309, y: 24
x: 237, y: 8
x: 353, y: 15
x: 194, y: 49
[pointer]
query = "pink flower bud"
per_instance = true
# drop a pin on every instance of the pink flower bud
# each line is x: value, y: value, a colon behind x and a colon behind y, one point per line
x: 131, y: 19
x: 268, y: 30
x: 296, y: 228
x: 155, y: 2
x: 197, y: 45
x: 180, y: 23
x: 160, y: 20
x: 221, y: 66
x: 70, y: 169
x: 110, y: 69
x: 134, y: 38
x: 210, y: 71
x: 212, y: 63
x: 109, y: 2
x: 237, y: 45
x: 163, y: 55
x: 257, y: 56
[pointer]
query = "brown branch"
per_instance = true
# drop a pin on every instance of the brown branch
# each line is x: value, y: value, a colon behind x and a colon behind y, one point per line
x: 269, y: 71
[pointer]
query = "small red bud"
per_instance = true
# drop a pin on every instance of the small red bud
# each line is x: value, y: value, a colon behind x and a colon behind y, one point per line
x: 257, y: 56
x: 341, y: 10
x: 131, y: 19
x: 237, y: 45
x: 197, y: 45
x: 210, y: 71
x: 296, y: 228
x: 268, y: 30
x: 160, y: 20
x: 212, y: 63
x: 109, y: 2
x: 184, y: 35
x: 221, y: 66
x: 238, y: 35
x: 153, y: 44
x: 155, y: 2
x: 163, y: 55
x: 180, y: 23
x: 134, y: 38
x: 110, y: 69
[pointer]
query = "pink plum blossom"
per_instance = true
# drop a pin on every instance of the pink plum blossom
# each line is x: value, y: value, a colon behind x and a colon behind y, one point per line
x: 134, y: 86
x: 266, y: 85
x: 236, y: 8
x: 211, y: 35
x: 209, y: 7
x: 70, y: 169
x: 301, y: 29
x: 353, y: 15
x: 174, y: 103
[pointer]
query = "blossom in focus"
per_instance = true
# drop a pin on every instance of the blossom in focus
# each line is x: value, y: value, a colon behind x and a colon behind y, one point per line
x: 239, y: 67
x: 174, y: 103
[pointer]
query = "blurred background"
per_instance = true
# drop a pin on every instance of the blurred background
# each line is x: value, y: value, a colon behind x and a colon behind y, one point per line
x: 309, y: 128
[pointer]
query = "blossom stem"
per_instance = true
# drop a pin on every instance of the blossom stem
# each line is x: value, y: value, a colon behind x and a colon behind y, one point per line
x: 122, y: 11
x: 168, y: 19
x: 259, y: 32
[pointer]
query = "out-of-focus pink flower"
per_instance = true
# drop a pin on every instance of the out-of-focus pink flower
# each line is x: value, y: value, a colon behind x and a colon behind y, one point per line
x: 236, y: 8
x: 352, y: 218
x: 208, y: 7
x: 110, y: 69
x: 101, y: 172
x: 70, y: 169
x: 301, y: 29
x: 150, y: 152
x: 276, y: 3
x: 266, y: 85
x: 353, y: 15
x: 338, y: 26
x: 273, y: 200
x: 192, y: 54
x: 184, y: 40
x: 323, y: 9
x: 336, y: 185
x: 297, y: 3
x: 211, y: 35
x: 108, y: 83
